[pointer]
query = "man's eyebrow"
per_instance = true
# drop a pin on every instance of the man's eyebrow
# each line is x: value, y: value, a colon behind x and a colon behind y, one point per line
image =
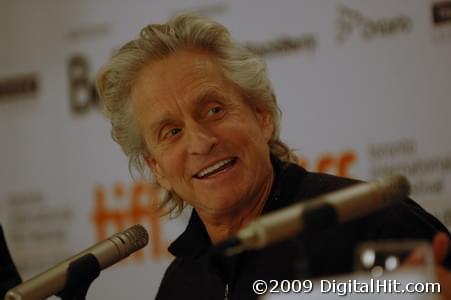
x: 208, y: 95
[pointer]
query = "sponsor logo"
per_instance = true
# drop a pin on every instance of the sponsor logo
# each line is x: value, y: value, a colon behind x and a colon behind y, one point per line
x: 441, y: 20
x: 441, y: 13
x: 284, y: 44
x: 427, y: 174
x: 37, y: 230
x: 351, y: 20
x: 82, y: 92
x: 333, y: 163
x: 123, y: 206
x: 17, y: 86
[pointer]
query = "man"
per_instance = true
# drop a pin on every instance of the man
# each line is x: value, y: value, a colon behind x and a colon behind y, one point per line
x: 9, y: 277
x: 198, y: 110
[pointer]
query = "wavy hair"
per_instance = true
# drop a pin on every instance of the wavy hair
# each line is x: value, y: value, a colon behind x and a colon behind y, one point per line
x: 157, y: 41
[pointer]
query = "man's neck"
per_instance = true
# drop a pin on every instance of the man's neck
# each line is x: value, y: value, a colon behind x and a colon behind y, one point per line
x: 221, y: 226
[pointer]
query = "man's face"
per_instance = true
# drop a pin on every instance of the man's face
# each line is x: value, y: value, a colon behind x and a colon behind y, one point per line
x: 205, y: 141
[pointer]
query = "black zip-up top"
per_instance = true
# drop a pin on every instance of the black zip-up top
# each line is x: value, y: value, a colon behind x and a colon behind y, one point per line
x: 195, y: 274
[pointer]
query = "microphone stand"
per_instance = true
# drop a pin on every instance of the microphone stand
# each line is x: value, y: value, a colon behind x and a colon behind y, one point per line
x: 316, y: 218
x: 80, y: 274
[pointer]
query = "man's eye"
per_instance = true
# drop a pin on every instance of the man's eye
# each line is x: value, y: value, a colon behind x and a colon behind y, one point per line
x: 215, y: 110
x: 172, y: 132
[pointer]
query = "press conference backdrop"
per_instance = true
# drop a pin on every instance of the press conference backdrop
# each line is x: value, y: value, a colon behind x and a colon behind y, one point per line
x: 364, y: 87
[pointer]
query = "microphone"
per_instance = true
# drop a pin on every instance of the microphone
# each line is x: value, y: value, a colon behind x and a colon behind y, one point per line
x: 318, y: 213
x: 107, y: 253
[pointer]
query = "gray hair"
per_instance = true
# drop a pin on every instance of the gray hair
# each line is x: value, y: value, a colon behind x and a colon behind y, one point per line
x: 157, y: 41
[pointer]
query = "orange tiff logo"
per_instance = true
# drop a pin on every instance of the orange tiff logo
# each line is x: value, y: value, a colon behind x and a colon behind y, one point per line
x: 141, y: 205
x: 335, y: 164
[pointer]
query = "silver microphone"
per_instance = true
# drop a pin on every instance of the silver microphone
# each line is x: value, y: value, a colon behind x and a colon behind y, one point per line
x: 107, y: 253
x: 318, y: 213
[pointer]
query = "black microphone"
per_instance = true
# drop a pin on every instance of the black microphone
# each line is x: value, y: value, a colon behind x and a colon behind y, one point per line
x: 318, y: 213
x: 107, y: 253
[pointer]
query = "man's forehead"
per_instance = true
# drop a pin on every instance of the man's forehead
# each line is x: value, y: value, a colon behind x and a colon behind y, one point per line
x: 180, y: 70
x: 196, y: 68
x: 188, y: 61
x: 176, y: 85
x: 184, y: 73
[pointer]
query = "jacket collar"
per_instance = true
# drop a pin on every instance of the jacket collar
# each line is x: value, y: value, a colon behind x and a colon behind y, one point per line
x: 194, y: 241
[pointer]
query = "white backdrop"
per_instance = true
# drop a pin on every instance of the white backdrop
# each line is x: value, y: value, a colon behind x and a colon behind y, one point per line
x: 364, y: 88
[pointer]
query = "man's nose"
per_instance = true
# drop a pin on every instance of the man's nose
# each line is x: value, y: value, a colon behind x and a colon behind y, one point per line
x: 201, y: 140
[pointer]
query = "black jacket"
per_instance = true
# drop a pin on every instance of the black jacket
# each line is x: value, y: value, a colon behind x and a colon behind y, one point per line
x: 194, y: 274
x: 9, y: 277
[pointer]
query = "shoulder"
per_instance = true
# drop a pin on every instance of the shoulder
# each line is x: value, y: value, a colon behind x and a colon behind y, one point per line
x: 302, y: 184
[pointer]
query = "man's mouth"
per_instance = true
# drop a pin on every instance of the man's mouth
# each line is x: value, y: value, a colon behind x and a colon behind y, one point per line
x: 215, y: 168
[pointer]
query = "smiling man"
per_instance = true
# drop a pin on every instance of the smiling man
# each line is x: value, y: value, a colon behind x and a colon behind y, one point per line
x: 206, y: 143
x: 196, y: 109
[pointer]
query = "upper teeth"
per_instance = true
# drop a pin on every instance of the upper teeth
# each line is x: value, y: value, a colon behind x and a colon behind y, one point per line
x: 214, y: 167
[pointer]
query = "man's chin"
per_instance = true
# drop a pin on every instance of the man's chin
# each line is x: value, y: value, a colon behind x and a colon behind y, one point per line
x: 222, y: 207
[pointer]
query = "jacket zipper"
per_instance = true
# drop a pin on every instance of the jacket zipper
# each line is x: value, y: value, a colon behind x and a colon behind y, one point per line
x: 226, y: 292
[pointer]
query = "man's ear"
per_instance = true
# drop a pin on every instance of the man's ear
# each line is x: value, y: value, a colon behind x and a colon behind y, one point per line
x: 158, y: 172
x: 265, y: 120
